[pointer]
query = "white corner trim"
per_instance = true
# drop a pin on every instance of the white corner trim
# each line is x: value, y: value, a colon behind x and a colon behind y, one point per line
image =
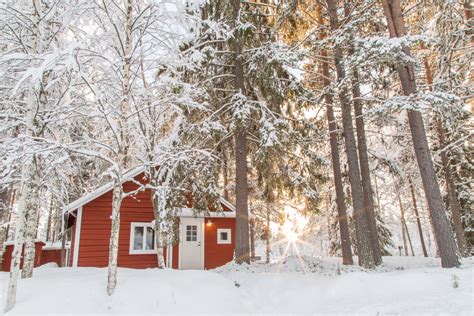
x: 170, y: 247
x: 180, y: 244
x: 132, y: 251
x: 203, y: 244
x: 77, y: 237
x: 229, y: 234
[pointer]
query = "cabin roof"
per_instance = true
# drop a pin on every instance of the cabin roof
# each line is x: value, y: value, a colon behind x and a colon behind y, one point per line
x: 127, y: 176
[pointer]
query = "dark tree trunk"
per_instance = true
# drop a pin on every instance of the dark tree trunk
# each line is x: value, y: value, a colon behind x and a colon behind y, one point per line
x: 267, y: 236
x: 362, y: 228
x: 364, y: 159
x: 418, y: 220
x: 453, y: 200
x: 242, y: 251
x: 225, y: 191
x: 336, y: 163
x: 365, y: 171
x: 252, y: 239
x: 402, y: 223
x: 442, y: 228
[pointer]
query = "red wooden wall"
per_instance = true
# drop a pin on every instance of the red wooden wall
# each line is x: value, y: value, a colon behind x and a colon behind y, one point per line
x: 7, y: 256
x: 216, y: 255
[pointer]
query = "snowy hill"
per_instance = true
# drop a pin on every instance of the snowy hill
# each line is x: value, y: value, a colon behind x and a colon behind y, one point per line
x: 403, y: 285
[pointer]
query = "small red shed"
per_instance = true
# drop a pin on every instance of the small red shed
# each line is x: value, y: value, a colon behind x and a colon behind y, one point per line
x: 206, y: 240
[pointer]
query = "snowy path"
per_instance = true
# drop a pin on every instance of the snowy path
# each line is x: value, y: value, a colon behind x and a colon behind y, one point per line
x: 417, y: 288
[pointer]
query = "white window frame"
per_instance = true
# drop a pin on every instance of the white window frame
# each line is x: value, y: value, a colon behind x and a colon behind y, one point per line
x: 132, y: 235
x: 229, y: 234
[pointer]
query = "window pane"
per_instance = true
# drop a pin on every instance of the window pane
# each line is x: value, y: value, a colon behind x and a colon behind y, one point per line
x: 191, y: 233
x: 224, y: 236
x: 138, y: 238
x: 150, y: 238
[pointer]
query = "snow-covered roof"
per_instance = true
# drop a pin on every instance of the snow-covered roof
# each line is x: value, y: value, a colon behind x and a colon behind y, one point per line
x: 128, y: 176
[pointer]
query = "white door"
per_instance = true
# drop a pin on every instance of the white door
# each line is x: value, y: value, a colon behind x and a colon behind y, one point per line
x: 191, y: 250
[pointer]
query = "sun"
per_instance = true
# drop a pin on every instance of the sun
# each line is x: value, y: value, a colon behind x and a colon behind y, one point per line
x: 292, y: 236
x: 294, y: 224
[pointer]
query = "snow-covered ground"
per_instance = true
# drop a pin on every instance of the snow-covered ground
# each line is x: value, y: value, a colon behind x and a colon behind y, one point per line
x: 404, y: 285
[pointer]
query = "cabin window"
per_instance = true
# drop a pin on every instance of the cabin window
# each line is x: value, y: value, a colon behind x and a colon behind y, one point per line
x: 191, y: 232
x: 142, y: 238
x: 224, y: 236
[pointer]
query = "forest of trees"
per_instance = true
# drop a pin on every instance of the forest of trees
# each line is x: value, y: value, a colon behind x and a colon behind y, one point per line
x: 358, y: 114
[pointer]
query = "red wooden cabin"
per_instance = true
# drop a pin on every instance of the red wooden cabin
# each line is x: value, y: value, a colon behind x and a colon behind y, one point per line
x: 206, y: 240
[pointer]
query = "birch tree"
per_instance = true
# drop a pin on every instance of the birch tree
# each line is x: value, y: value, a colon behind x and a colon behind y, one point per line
x: 36, y: 63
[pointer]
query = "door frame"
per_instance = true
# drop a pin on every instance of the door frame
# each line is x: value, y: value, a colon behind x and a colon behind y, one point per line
x: 201, y: 222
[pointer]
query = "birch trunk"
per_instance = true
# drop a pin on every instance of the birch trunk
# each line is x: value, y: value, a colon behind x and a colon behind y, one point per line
x: 117, y: 197
x: 336, y: 164
x: 27, y: 188
x: 366, y: 258
x: 122, y: 157
x: 442, y: 228
x: 418, y: 220
x: 30, y: 233
x: 242, y: 251
x: 5, y: 196
x: 155, y: 199
x: 28, y: 170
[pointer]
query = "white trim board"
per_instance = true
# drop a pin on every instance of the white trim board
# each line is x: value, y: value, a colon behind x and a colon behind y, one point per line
x: 77, y: 237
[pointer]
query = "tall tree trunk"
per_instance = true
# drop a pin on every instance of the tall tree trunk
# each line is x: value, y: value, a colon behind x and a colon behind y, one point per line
x: 453, y: 200
x: 122, y: 155
x: 402, y: 223
x: 30, y: 233
x: 365, y: 170
x: 242, y: 251
x: 443, y: 231
x: 27, y: 188
x: 225, y: 190
x: 418, y: 220
x: 5, y: 195
x: 364, y: 247
x: 155, y: 199
x: 252, y: 239
x: 267, y: 236
x: 63, y: 262
x: 50, y: 220
x: 363, y: 157
x: 408, y: 236
x: 335, y: 158
x: 12, y: 202
x: 117, y: 197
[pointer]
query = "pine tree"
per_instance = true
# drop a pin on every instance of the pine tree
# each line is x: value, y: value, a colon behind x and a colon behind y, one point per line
x: 443, y: 230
